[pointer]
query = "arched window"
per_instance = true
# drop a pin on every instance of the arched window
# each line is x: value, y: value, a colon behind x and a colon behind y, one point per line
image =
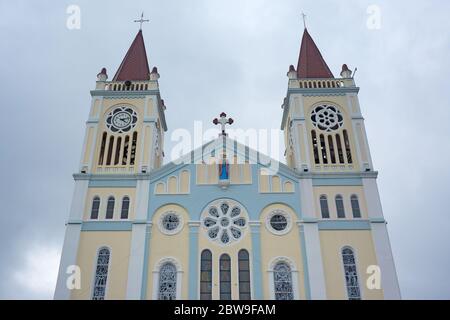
x: 225, y: 277
x: 347, y: 147
x: 315, y: 147
x: 125, y: 208
x: 95, y: 207
x: 110, y: 208
x: 282, y: 279
x: 125, y: 150
x: 102, y: 150
x: 351, y: 274
x: 133, y: 148
x: 340, y: 206
x: 339, y: 148
x: 167, y: 282
x: 110, y: 149
x: 206, y: 275
x: 244, y: 275
x: 101, y: 274
x: 355, y: 206
x: 117, y: 156
x: 324, y: 207
x: 331, y: 146
x: 324, y: 149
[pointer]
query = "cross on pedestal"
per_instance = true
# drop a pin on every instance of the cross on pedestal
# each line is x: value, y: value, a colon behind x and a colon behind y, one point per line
x: 223, y: 121
x: 141, y: 20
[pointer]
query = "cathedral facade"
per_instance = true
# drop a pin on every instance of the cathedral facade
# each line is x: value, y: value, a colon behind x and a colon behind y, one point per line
x: 221, y: 223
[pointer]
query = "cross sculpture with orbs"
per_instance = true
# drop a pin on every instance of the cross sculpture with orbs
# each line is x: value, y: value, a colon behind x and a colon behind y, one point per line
x: 223, y: 121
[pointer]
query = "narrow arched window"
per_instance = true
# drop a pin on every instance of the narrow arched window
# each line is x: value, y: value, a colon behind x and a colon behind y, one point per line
x: 133, y: 148
x: 101, y: 274
x: 117, y: 156
x: 206, y: 275
x: 339, y: 148
x: 125, y: 208
x: 102, y: 150
x: 95, y: 207
x: 331, y: 147
x: 324, y: 207
x: 355, y: 206
x: 110, y: 208
x: 351, y: 274
x: 225, y: 277
x: 244, y: 275
x: 315, y: 147
x: 125, y: 150
x: 347, y: 147
x: 110, y: 149
x: 167, y: 282
x: 340, y: 206
x: 282, y: 279
x: 324, y: 149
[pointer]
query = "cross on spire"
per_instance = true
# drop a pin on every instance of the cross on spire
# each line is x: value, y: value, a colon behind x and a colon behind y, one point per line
x: 141, y: 20
x: 223, y: 121
x: 304, y: 19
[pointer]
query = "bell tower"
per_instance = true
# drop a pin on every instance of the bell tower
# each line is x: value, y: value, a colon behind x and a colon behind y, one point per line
x: 126, y: 125
x: 322, y: 121
x: 326, y: 145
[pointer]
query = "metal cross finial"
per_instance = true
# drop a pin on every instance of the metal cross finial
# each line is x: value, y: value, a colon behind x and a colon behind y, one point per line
x: 304, y: 19
x: 223, y: 121
x: 141, y: 20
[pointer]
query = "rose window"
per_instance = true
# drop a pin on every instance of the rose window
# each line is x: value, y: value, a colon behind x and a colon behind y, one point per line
x: 327, y: 117
x: 224, y: 221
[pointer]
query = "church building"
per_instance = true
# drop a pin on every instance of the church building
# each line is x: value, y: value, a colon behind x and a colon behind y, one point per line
x: 220, y: 223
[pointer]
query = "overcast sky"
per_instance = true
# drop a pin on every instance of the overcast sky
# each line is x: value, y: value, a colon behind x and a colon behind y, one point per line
x: 223, y: 55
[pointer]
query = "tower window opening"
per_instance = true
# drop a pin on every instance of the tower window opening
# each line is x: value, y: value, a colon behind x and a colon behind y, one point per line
x: 324, y: 207
x: 323, y: 149
x: 340, y: 206
x: 110, y: 149
x: 133, y: 149
x: 331, y: 147
x: 95, y: 207
x: 102, y: 150
x: 339, y: 147
x: 125, y: 208
x: 110, y: 208
x: 125, y: 150
x: 118, y: 146
x: 347, y: 147
x: 355, y: 206
x: 315, y: 147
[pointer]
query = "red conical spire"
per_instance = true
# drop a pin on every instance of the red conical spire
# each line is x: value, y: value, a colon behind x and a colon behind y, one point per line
x: 135, y: 65
x: 310, y: 61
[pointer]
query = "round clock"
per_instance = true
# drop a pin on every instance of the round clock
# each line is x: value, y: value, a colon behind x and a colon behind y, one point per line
x: 121, y: 119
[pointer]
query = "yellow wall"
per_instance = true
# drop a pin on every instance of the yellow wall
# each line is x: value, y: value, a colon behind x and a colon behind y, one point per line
x: 163, y: 246
x: 332, y: 243
x: 90, y: 243
x: 287, y: 245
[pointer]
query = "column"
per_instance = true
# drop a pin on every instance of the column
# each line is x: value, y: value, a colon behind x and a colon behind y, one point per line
x: 193, y: 260
x: 256, y: 276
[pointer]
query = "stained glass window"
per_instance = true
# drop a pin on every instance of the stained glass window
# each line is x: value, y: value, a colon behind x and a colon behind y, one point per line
x: 340, y: 206
x: 324, y: 207
x: 167, y: 282
x: 101, y: 274
x: 355, y: 206
x: 244, y: 275
x: 225, y: 277
x: 125, y: 208
x: 282, y: 282
x: 206, y: 275
x: 110, y: 208
x: 95, y: 207
x: 351, y: 274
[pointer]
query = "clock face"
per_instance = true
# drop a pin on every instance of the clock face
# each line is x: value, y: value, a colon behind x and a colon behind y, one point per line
x: 121, y: 119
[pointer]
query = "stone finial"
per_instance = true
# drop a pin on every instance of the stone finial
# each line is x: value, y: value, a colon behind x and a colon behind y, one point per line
x: 102, y: 76
x: 346, y: 72
x: 292, y: 74
x: 154, y: 75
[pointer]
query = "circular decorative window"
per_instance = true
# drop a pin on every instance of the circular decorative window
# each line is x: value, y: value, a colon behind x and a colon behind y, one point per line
x: 278, y: 222
x: 327, y: 117
x: 224, y: 221
x: 121, y: 119
x: 170, y: 222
